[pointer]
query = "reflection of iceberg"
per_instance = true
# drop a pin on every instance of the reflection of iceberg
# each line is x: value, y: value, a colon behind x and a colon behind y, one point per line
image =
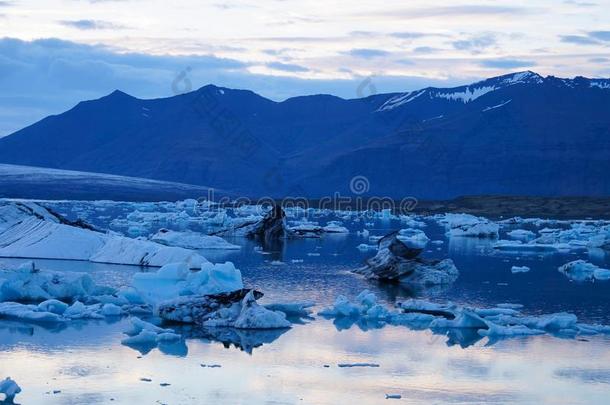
x: 243, y: 339
x: 462, y: 337
x: 470, y: 246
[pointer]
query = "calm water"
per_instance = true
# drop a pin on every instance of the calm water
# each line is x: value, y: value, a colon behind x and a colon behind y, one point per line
x: 87, y: 363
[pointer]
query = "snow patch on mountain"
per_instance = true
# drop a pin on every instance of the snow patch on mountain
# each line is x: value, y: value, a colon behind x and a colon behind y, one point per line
x: 496, y: 106
x: 465, y: 94
x: 397, y: 101
x: 602, y: 84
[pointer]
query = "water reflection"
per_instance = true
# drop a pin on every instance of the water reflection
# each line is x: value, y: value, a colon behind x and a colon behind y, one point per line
x: 243, y: 339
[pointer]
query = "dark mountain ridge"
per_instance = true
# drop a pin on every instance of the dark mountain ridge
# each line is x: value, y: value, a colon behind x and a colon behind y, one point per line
x: 517, y: 134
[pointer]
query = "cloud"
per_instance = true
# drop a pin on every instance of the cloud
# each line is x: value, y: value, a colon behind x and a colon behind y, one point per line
x: 600, y: 35
x: 409, y: 35
x: 463, y: 10
x: 91, y: 24
x: 599, y: 60
x: 286, y: 67
x: 581, y: 3
x: 426, y: 49
x: 578, y: 39
x: 476, y: 42
x: 366, y: 53
x: 506, y: 63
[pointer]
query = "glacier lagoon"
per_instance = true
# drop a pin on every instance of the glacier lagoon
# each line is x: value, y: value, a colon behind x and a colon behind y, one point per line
x: 85, y: 362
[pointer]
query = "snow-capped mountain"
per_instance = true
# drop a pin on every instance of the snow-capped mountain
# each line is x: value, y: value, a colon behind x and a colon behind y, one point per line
x: 514, y: 134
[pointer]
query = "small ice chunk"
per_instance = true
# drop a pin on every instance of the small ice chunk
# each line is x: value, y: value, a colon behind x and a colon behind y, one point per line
x: 254, y: 316
x: 350, y: 365
x: 111, y: 310
x: 54, y: 306
x: 519, y: 269
x: 393, y: 396
x: 521, y: 234
x: 293, y: 308
x: 78, y: 310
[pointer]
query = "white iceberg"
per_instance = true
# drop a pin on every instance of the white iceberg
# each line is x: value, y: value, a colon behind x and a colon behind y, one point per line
x: 176, y: 279
x: 27, y: 283
x: 31, y: 231
x: 254, y: 316
x: 470, y: 226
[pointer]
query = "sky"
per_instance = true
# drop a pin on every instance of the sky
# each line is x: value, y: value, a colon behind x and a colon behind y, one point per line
x: 55, y: 53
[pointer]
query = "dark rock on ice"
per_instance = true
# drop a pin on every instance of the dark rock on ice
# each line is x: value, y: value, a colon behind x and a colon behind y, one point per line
x: 397, y: 262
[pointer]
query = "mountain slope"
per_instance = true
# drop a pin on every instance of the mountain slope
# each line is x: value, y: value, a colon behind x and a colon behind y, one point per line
x: 515, y: 134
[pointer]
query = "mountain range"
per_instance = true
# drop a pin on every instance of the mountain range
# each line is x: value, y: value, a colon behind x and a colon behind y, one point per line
x: 517, y: 134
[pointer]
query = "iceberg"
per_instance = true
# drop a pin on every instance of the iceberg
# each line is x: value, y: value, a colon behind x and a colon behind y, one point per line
x: 335, y: 227
x: 580, y: 270
x: 396, y: 261
x: 28, y: 283
x: 32, y: 231
x: 502, y: 321
x: 236, y: 309
x: 176, y: 279
x: 469, y: 225
x: 413, y: 238
x: 254, y: 316
x: 27, y: 313
x: 519, y: 269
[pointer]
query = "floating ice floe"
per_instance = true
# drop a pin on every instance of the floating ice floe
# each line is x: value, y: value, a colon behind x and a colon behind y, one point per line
x: 351, y: 365
x: 519, y: 269
x: 505, y: 320
x: 364, y: 233
x: 531, y: 247
x: 335, y: 227
x: 298, y: 309
x: 580, y: 270
x: 31, y: 231
x: 411, y: 222
x: 523, y: 234
x: 469, y: 225
x: 191, y: 240
x: 10, y: 389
